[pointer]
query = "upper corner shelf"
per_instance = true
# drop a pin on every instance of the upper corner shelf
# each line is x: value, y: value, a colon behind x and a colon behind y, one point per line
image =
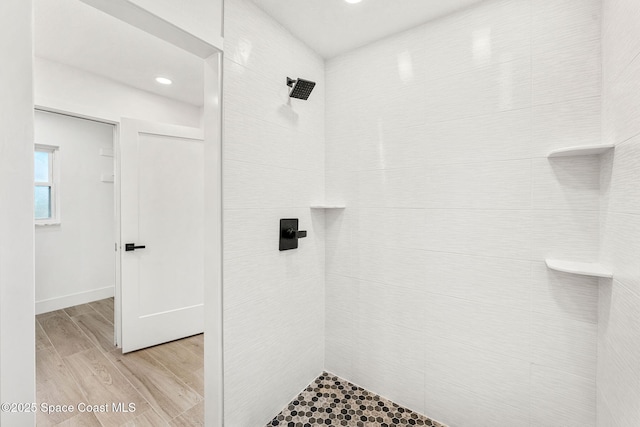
x: 583, y: 268
x: 584, y: 150
x: 328, y: 206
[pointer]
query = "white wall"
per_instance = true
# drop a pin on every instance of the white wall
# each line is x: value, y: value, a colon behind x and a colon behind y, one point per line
x: 437, y: 295
x: 75, y: 260
x: 64, y: 88
x: 196, y: 28
x: 619, y: 308
x: 17, y: 333
x: 203, y: 18
x: 273, y: 168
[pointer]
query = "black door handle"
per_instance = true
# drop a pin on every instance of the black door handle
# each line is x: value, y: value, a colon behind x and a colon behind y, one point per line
x: 132, y: 247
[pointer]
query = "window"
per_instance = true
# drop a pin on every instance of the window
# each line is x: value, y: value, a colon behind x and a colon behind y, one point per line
x: 45, y: 191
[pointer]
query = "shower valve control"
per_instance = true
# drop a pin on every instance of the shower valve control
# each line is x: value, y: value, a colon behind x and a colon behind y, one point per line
x: 289, y: 234
x: 295, y: 234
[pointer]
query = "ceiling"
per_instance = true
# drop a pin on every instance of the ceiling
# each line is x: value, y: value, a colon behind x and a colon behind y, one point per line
x: 75, y: 34
x: 332, y: 27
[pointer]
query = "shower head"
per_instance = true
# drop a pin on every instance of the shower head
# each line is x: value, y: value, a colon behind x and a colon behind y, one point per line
x: 301, y: 88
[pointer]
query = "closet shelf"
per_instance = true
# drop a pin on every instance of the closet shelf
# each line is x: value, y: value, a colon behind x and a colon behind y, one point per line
x: 593, y: 269
x: 328, y: 206
x: 584, y: 150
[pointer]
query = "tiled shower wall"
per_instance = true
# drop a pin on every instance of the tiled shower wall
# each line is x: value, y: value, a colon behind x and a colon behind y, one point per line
x: 619, y: 314
x: 273, y: 168
x: 437, y: 295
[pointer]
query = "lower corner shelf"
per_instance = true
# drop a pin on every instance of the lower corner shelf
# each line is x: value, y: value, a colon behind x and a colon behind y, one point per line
x: 585, y: 150
x: 593, y: 269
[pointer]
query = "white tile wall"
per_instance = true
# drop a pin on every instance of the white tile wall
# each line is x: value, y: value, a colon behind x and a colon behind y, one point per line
x: 566, y: 183
x: 620, y: 34
x: 482, y: 326
x: 621, y: 246
x: 565, y: 234
x: 621, y: 104
x: 500, y: 136
x: 452, y: 207
x: 483, y: 280
x: 619, y: 303
x: 558, y: 24
x: 621, y: 192
x: 566, y: 124
x: 566, y: 73
x: 562, y: 399
x: 389, y: 305
x: 486, y: 185
x: 460, y: 406
x: 470, y: 41
x: 605, y: 417
x: 436, y: 295
x: 563, y: 295
x: 498, y: 233
x: 490, y: 89
x: 489, y: 375
x: 619, y: 352
x: 565, y: 344
x: 273, y: 168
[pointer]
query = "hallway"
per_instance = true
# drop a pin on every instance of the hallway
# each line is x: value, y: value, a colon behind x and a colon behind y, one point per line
x: 77, y: 365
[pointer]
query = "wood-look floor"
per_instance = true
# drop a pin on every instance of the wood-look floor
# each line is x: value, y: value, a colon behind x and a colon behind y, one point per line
x: 76, y: 362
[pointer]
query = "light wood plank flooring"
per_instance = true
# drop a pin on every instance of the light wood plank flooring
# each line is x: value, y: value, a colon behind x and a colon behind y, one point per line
x: 76, y: 362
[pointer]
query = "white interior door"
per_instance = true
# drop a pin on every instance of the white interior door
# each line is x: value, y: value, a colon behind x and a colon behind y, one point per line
x: 162, y: 209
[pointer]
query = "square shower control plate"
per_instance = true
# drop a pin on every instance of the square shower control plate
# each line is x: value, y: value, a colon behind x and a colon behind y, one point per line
x: 287, y: 242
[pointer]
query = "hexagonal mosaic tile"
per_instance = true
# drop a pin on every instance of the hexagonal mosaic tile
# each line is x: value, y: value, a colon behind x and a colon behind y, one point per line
x: 332, y: 401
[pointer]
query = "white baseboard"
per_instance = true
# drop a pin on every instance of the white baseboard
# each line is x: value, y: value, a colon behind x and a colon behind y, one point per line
x: 58, y: 303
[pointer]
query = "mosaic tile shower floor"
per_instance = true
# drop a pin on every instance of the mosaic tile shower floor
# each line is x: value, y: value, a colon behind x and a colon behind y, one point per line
x: 332, y: 401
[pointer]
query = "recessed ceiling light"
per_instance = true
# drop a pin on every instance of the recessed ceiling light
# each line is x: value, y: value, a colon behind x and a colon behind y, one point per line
x: 353, y: 1
x: 163, y: 80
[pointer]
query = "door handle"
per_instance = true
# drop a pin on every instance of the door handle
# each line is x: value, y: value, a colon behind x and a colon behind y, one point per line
x: 132, y: 247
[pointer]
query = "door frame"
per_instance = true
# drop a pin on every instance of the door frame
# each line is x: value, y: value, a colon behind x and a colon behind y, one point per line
x: 213, y: 306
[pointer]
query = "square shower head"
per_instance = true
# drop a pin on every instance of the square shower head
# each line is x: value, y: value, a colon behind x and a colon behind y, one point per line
x: 301, y: 88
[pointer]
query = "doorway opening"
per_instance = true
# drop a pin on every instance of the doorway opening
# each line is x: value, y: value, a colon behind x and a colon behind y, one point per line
x: 74, y: 218
x: 94, y: 71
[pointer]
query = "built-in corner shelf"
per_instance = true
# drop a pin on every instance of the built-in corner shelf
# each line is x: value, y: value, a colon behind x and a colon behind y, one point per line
x: 585, y: 150
x: 583, y: 268
x: 328, y: 206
